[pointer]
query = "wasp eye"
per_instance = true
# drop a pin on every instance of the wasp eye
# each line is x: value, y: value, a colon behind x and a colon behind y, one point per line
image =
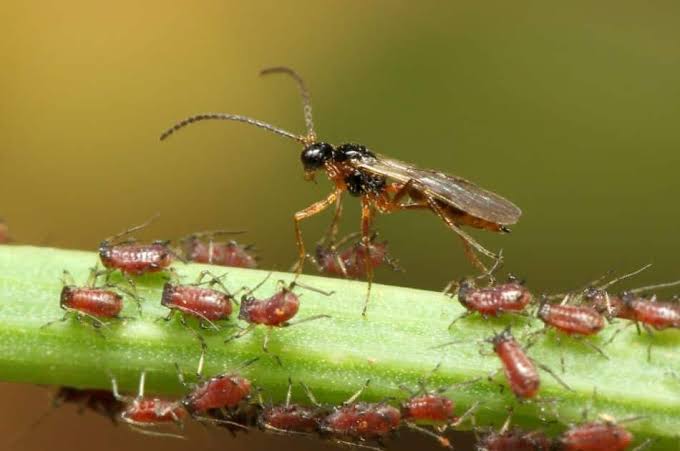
x: 314, y: 156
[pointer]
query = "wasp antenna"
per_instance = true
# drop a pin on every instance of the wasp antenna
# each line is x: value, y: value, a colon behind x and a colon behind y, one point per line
x: 230, y: 117
x: 306, y: 98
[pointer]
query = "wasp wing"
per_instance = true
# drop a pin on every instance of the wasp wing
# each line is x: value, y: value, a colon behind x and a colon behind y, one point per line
x: 451, y: 190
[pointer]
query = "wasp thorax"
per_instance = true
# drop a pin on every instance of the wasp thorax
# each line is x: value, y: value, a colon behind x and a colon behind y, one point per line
x: 315, y: 156
x: 346, y: 152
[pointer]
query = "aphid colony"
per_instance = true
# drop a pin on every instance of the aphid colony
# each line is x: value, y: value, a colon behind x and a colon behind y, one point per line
x: 226, y: 400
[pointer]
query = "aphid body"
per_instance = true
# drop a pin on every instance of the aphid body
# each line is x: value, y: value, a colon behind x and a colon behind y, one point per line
x: 224, y: 391
x: 362, y: 421
x: 272, y: 311
x: 519, y: 370
x: 96, y: 302
x: 572, y: 319
x: 429, y: 407
x: 202, y: 302
x: 136, y: 259
x: 291, y: 418
x: 495, y: 300
x: 659, y: 315
x: 228, y: 253
x: 352, y: 261
x: 595, y: 436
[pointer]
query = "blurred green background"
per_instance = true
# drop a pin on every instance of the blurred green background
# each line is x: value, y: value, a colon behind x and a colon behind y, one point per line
x: 570, y: 110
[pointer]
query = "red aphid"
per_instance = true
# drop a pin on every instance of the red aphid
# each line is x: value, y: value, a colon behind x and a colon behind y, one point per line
x: 595, y: 436
x: 204, y: 303
x: 514, y: 440
x: 571, y: 319
x: 520, y: 371
x: 659, y: 315
x: 362, y: 421
x: 99, y: 401
x: 273, y: 311
x: 353, y: 261
x: 291, y: 418
x: 495, y: 300
x: 430, y: 408
x: 96, y: 302
x: 153, y: 411
x: 228, y: 253
x: 224, y: 391
x: 136, y: 259
x: 148, y: 411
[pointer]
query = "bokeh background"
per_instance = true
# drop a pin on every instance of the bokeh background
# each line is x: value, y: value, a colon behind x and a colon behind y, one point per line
x: 571, y: 110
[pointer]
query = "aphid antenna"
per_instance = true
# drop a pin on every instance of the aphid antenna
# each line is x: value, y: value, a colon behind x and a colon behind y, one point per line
x: 440, y: 438
x: 131, y: 229
x: 448, y: 343
x: 250, y: 291
x: 294, y: 284
x: 657, y: 286
x: 245, y: 364
x: 624, y: 277
x: 232, y: 117
x: 306, y: 98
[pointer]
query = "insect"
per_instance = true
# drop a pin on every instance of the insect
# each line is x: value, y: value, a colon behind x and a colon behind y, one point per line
x: 357, y: 422
x: 595, y: 436
x: 513, y: 439
x: 222, y: 253
x: 206, y: 304
x: 275, y: 311
x: 132, y: 258
x: 520, y: 371
x: 90, y: 303
x: 99, y: 401
x: 510, y: 297
x: 142, y: 412
x: 224, y: 392
x: 433, y: 408
x: 351, y: 261
x: 382, y: 184
x: 573, y: 320
x: 291, y: 418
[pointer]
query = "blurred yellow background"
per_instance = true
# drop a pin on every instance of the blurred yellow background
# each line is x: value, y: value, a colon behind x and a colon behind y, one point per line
x: 569, y: 110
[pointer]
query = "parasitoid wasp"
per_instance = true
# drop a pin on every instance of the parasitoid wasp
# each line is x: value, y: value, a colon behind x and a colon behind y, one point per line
x: 382, y: 184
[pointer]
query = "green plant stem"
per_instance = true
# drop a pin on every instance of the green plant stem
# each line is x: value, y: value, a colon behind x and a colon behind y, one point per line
x: 396, y: 344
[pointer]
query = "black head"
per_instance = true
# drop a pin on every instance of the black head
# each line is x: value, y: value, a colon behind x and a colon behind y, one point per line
x: 315, y: 156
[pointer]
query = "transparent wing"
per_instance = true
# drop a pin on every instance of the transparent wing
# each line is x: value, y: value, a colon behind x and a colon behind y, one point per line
x: 455, y: 191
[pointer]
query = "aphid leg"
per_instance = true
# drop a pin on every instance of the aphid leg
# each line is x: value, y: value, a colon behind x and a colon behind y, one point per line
x: 645, y: 444
x: 265, y: 342
x: 357, y: 445
x: 308, y: 212
x: 155, y: 433
x: 593, y: 346
x: 241, y: 333
x: 114, y: 390
x: 357, y: 394
x: 468, y: 413
x: 554, y: 375
x: 310, y: 395
x: 440, y: 438
x: 366, y: 221
x: 304, y: 320
x: 461, y: 316
x: 133, y: 294
x: 60, y: 320
x: 294, y: 284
